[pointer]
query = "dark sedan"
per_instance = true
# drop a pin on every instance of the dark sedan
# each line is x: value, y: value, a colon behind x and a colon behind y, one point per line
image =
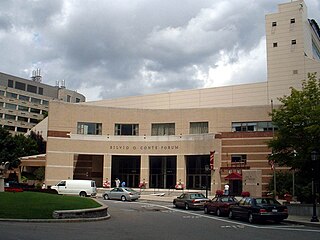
x: 220, y: 205
x: 258, y: 209
x: 190, y: 200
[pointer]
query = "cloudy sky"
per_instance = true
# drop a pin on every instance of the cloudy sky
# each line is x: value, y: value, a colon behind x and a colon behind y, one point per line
x: 117, y: 48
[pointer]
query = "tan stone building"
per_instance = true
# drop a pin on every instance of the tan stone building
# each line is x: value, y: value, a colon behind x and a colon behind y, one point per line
x: 166, y: 138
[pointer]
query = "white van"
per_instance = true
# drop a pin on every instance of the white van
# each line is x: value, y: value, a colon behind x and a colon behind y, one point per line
x: 82, y: 188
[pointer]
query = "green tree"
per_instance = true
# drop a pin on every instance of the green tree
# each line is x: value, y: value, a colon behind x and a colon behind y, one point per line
x: 7, y: 147
x: 40, y: 142
x: 298, y: 133
x: 298, y: 122
x: 14, y: 147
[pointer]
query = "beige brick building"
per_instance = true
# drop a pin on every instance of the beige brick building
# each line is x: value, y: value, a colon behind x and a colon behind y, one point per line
x: 166, y: 138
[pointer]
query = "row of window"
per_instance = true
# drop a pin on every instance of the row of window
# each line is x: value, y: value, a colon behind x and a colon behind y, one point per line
x: 22, y: 108
x: 293, y: 42
x: 157, y: 129
x: 162, y: 129
x: 25, y: 87
x: 23, y: 98
x: 292, y: 21
x: 253, y: 126
x: 13, y: 128
x: 18, y: 118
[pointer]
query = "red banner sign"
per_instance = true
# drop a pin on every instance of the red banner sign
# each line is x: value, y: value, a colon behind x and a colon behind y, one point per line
x: 212, y: 160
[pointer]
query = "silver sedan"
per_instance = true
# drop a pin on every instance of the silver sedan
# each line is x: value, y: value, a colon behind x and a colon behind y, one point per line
x: 121, y: 193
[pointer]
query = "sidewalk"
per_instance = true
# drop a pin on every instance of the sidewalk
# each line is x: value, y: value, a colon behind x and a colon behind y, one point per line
x: 303, y: 220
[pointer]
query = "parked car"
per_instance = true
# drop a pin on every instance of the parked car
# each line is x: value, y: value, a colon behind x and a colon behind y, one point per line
x: 190, y: 200
x: 220, y: 205
x: 82, y: 188
x: 121, y: 193
x: 258, y: 209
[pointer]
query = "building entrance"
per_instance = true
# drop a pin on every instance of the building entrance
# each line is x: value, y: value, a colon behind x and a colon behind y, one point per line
x: 127, y: 169
x: 163, y: 170
x: 88, y: 167
x: 197, y: 178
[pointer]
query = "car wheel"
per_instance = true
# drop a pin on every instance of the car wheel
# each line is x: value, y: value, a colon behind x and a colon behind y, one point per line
x: 206, y: 210
x: 218, y: 212
x: 123, y: 198
x: 250, y: 218
x: 82, y: 194
x: 106, y: 197
x: 186, y: 206
x: 231, y: 216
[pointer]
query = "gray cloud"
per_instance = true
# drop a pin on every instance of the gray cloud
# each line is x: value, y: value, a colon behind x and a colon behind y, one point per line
x: 109, y: 49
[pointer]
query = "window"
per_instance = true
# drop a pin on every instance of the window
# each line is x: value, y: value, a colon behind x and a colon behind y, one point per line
x: 1, y: 93
x: 23, y: 108
x: 161, y: 129
x: 293, y: 42
x: 198, y: 127
x: 89, y: 128
x: 24, y: 98
x: 61, y: 184
x: 274, y: 24
x: 275, y: 44
x: 12, y: 95
x: 68, y: 98
x: 295, y: 71
x: 11, y: 106
x: 35, y: 110
x: 31, y: 88
x: 292, y: 20
x: 126, y: 129
x: 236, y: 158
x: 45, y: 102
x: 20, y: 86
x: 10, y: 83
x: 1, y: 104
x: 44, y: 112
x: 40, y: 91
x: 10, y: 128
x: 22, y: 119
x: 36, y: 100
x: 253, y: 126
x: 244, y: 127
x: 32, y: 120
x: 77, y: 100
x: 21, y: 129
x: 9, y: 117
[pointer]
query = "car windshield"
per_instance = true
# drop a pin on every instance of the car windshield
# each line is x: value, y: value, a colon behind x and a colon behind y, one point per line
x: 260, y: 201
x: 196, y: 196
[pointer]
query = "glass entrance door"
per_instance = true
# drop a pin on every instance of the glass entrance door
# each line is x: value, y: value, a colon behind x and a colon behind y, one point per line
x: 162, y: 171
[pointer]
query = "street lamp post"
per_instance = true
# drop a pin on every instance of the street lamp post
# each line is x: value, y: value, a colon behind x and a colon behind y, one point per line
x: 314, y: 158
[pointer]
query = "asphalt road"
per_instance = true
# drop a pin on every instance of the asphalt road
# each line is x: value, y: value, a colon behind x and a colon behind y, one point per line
x: 143, y: 220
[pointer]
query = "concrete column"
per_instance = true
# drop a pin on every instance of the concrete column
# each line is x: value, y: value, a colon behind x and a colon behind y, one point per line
x: 107, y: 159
x: 181, y: 169
x: 144, y: 169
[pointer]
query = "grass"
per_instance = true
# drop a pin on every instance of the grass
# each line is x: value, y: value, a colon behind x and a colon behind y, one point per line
x: 33, y: 205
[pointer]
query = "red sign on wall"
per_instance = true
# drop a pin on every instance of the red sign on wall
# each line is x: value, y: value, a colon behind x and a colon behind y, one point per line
x: 212, y: 160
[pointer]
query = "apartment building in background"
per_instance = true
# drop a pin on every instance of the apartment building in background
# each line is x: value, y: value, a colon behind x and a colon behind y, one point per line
x: 24, y: 102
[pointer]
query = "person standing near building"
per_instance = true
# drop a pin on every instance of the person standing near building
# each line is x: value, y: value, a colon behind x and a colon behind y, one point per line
x: 117, y: 181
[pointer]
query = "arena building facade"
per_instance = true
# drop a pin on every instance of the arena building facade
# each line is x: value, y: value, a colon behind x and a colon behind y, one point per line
x: 163, y: 139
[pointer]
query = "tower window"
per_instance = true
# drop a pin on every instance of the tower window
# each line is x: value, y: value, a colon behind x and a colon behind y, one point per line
x: 275, y: 44
x: 292, y: 20
x: 274, y: 24
x: 293, y: 42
